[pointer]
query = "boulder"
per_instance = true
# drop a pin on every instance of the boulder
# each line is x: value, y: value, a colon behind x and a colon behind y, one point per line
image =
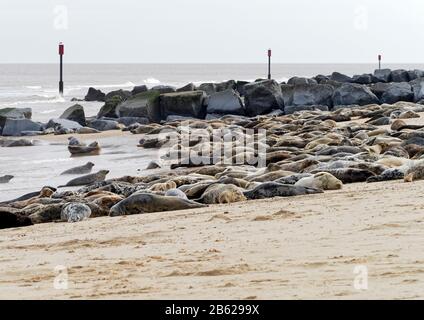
x: 415, y: 74
x: 109, y: 108
x: 340, y: 77
x: 320, y: 78
x: 63, y: 124
x: 14, y: 113
x: 313, y: 94
x: 124, y: 94
x: 14, y: 127
x: 209, y: 88
x: 94, y: 95
x: 188, y: 87
x: 418, y: 89
x: 139, y: 89
x: 293, y: 109
x: 226, y: 102
x: 187, y: 104
x: 395, y: 92
x: 127, y: 121
x: 145, y: 105
x: 400, y: 75
x: 350, y: 94
x: 287, y: 91
x: 383, y: 75
x: 75, y: 113
x: 240, y: 87
x: 164, y: 89
x: 226, y: 85
x: 379, y: 88
x: 104, y: 125
x: 301, y: 80
x: 363, y: 79
x: 262, y: 97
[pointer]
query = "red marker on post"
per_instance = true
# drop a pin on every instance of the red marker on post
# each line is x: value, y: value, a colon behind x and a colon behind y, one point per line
x: 379, y: 62
x: 61, y: 53
x: 269, y: 63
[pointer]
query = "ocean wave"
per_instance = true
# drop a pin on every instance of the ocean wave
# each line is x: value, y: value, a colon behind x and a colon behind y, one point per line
x: 151, y: 81
x: 34, y: 87
x: 35, y: 100
x: 48, y: 111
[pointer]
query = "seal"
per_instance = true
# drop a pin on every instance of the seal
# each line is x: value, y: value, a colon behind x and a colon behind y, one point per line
x: 176, y: 193
x: 388, y: 174
x: 80, y: 170
x: 163, y: 187
x: 321, y: 180
x: 6, y: 178
x: 87, y: 179
x: 74, y: 212
x: 275, y: 189
x: 78, y: 150
x: 350, y: 175
x: 416, y: 172
x: 146, y: 202
x: 222, y: 193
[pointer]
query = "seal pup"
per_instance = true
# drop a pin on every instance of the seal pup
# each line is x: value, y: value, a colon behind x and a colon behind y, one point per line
x: 74, y: 212
x: 80, y: 170
x: 275, y: 189
x: 6, y: 178
x: 146, y: 202
x: 222, y: 193
x: 163, y: 187
x: 87, y: 179
x: 320, y: 180
x: 416, y: 172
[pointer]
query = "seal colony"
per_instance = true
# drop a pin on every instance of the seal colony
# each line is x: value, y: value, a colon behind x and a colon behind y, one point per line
x: 224, y: 158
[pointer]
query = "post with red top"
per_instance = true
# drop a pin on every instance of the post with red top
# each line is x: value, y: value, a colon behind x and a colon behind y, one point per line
x: 379, y: 62
x: 61, y: 53
x: 269, y: 64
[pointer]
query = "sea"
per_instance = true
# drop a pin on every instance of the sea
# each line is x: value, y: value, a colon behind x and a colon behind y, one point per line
x: 35, y: 86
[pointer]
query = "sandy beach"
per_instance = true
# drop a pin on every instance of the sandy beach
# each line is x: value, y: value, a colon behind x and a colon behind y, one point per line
x: 300, y: 248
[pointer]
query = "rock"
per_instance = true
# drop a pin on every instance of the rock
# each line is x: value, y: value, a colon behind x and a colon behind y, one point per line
x: 63, y: 124
x: 240, y: 87
x: 6, y: 178
x: 153, y: 165
x: 75, y: 113
x: 397, y: 92
x: 363, y: 79
x: 301, y: 80
x: 109, y: 108
x: 188, y: 104
x: 313, y: 94
x: 383, y: 75
x: 164, y: 89
x: 287, y: 91
x: 11, y: 218
x: 124, y: 94
x: 94, y: 95
x: 400, y: 75
x: 262, y: 97
x: 415, y: 74
x: 178, y: 118
x: 418, y: 89
x: 139, y: 89
x: 350, y: 94
x: 321, y: 78
x: 145, y: 105
x: 127, y: 121
x: 188, y: 87
x: 14, y: 127
x: 226, y: 85
x: 74, y: 212
x: 340, y: 77
x: 209, y: 88
x: 293, y: 109
x: 226, y: 102
x: 14, y: 113
x: 104, y: 125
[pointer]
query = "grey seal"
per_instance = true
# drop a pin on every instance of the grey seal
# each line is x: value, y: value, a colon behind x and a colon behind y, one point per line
x: 274, y: 189
x: 80, y: 169
x: 87, y: 179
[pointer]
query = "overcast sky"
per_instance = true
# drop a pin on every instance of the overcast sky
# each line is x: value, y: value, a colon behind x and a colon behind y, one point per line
x: 214, y: 31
